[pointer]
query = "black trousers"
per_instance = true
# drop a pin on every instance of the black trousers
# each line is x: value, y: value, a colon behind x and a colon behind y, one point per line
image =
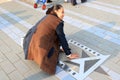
x: 48, y: 0
x: 74, y: 1
x: 82, y: 1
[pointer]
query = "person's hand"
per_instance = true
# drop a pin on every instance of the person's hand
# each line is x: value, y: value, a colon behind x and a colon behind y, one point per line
x: 73, y: 56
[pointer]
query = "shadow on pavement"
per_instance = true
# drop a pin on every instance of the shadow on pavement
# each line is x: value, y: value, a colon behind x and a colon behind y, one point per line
x: 38, y: 76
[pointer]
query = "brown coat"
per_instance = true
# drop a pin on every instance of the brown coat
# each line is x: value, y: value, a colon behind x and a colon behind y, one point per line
x: 43, y: 40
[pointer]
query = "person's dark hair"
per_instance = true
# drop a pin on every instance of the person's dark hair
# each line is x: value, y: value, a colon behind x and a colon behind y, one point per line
x: 52, y: 9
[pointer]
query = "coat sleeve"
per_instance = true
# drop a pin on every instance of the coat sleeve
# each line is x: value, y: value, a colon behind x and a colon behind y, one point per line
x: 62, y: 38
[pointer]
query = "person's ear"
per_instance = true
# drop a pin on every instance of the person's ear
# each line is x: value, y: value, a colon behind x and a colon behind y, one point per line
x: 55, y: 11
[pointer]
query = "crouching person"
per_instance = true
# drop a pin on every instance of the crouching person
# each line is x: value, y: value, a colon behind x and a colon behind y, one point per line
x: 44, y: 44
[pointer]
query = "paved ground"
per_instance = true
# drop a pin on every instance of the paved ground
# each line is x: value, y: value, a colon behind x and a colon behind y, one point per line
x: 95, y: 24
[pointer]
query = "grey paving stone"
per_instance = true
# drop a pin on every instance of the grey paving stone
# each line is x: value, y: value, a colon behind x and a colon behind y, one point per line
x: 30, y: 73
x: 7, y: 44
x: 21, y: 66
x: 12, y: 57
x: 37, y: 76
x: 2, y: 57
x: 112, y: 66
x: 99, y: 76
x: 7, y: 66
x: 115, y: 59
x: 32, y: 65
x: 4, y: 48
x: 13, y: 21
x: 118, y: 63
x: 15, y: 75
x: 3, y: 75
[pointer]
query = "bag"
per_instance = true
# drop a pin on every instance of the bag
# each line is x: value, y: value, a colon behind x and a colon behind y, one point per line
x: 28, y: 37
